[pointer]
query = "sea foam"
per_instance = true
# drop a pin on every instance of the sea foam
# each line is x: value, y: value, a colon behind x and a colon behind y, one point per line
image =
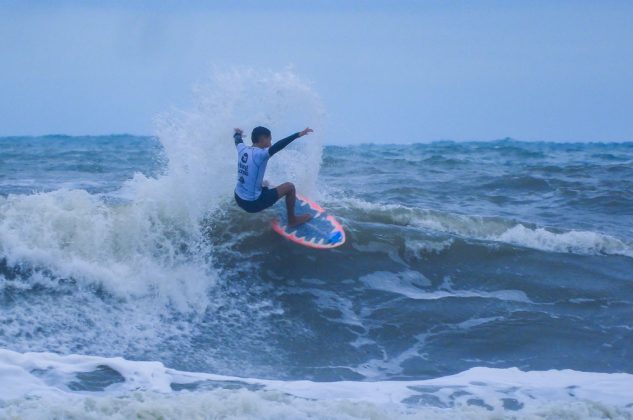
x: 37, y: 385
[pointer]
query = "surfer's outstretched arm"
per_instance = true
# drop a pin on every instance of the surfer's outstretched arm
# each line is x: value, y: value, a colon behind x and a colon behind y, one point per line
x: 279, y: 145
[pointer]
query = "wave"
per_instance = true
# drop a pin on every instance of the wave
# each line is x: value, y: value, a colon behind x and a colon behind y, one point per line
x: 35, y: 385
x: 494, y: 229
x: 146, y: 239
x: 574, y: 241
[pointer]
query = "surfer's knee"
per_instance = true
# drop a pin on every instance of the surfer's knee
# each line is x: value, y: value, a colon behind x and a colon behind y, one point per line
x: 286, y: 188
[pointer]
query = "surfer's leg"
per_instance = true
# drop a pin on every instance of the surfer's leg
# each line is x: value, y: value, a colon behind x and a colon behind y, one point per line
x: 287, y: 189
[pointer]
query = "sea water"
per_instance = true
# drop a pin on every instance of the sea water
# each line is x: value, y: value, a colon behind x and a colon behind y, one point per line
x: 480, y: 279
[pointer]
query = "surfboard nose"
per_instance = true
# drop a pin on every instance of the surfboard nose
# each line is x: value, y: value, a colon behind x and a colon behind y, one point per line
x: 335, y: 237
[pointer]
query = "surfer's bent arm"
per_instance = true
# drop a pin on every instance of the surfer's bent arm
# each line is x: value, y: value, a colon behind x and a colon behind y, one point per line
x: 282, y: 143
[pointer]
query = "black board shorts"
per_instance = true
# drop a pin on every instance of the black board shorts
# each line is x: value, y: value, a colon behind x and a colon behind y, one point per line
x: 267, y: 198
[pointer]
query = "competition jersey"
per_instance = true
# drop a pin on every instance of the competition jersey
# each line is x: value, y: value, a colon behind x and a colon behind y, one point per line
x: 251, y: 166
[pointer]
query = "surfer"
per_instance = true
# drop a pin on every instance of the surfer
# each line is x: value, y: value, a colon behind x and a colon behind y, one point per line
x: 250, y: 194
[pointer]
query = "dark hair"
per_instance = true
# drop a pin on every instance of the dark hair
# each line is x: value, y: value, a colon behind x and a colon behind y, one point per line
x: 258, y: 132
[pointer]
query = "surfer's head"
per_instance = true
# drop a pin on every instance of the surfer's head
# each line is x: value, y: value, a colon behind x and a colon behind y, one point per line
x: 261, y: 137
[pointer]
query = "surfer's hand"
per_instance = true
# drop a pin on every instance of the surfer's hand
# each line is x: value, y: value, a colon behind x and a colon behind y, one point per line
x: 239, y: 131
x: 306, y: 131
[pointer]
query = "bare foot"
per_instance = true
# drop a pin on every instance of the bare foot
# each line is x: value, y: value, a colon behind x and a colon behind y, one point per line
x: 297, y: 220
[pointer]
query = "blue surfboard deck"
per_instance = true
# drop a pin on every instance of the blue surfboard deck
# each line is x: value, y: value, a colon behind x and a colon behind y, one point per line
x: 323, y: 231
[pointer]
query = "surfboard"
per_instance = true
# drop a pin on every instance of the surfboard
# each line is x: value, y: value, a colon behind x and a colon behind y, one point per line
x: 323, y: 231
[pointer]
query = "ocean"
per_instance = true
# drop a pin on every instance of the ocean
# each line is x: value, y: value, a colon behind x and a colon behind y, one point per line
x: 479, y: 279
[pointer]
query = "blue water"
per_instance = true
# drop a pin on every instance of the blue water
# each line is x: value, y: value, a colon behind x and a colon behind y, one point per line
x: 459, y: 255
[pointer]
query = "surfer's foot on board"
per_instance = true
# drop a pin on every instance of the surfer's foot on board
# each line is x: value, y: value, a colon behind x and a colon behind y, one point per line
x: 300, y: 219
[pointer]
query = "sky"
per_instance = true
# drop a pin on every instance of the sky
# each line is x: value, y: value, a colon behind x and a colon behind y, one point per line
x: 387, y: 71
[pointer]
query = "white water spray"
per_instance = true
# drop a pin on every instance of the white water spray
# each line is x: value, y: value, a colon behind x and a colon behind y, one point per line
x: 152, y: 244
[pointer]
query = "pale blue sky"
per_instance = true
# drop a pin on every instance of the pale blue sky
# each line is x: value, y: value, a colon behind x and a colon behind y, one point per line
x: 387, y: 71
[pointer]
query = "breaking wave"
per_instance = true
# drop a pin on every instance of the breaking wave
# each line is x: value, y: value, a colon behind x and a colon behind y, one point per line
x: 493, y: 229
x: 146, y: 239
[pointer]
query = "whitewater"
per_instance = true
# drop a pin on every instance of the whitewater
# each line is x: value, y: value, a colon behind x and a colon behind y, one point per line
x: 480, y: 279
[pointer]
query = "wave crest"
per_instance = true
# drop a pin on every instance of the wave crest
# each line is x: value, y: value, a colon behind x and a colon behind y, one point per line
x: 493, y: 229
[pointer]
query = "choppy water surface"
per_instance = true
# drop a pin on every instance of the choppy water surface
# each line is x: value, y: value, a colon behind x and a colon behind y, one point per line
x: 474, y: 257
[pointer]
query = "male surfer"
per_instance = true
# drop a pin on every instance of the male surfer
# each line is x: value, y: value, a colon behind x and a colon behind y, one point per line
x: 250, y: 195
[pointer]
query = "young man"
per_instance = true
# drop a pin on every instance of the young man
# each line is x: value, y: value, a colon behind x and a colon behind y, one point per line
x: 250, y: 195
